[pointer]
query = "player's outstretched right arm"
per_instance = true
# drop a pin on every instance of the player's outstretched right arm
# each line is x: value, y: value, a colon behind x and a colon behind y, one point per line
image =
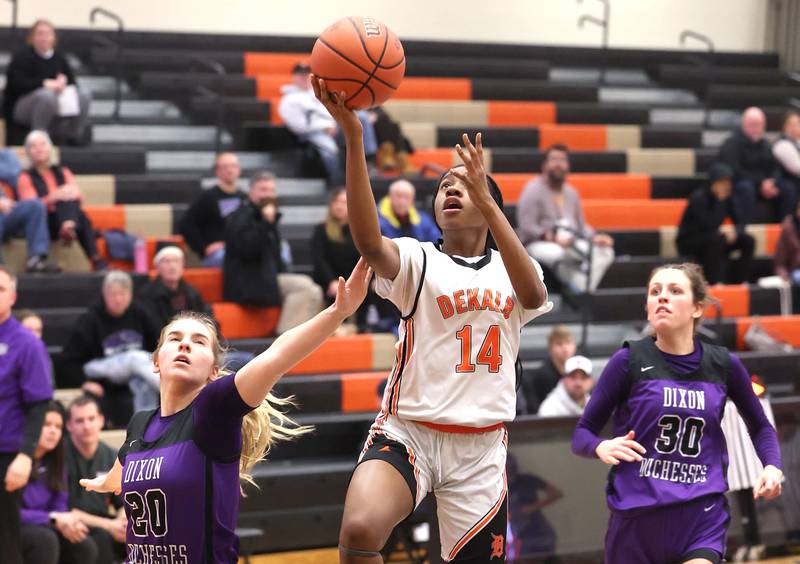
x: 380, y: 252
x: 110, y: 483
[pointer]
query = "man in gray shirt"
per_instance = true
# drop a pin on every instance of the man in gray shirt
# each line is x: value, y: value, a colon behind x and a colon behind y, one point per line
x: 551, y: 225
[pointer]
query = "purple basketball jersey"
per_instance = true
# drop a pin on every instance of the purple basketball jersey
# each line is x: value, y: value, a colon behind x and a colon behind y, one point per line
x: 676, y: 417
x: 181, y: 502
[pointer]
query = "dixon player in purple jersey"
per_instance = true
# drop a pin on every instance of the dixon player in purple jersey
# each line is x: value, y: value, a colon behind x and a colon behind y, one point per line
x: 180, y: 466
x: 667, y: 393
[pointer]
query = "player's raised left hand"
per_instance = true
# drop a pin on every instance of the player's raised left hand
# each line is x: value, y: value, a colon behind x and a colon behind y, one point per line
x: 351, y: 293
x: 474, y: 173
x: 768, y: 485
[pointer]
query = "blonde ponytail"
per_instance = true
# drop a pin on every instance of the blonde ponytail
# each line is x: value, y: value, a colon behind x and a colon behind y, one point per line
x: 262, y: 427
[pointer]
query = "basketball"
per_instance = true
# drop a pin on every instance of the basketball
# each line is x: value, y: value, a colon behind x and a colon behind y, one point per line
x: 360, y: 57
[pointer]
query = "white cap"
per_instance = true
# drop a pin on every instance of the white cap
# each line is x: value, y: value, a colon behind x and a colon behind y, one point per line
x: 170, y: 250
x: 578, y: 363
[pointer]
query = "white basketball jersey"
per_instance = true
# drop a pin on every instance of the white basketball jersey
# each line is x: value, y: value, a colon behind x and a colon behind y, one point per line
x: 459, y: 337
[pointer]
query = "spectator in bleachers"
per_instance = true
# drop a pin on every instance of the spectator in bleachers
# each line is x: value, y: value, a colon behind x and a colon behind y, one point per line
x: 393, y: 146
x: 255, y: 273
x: 34, y: 323
x: 86, y: 456
x: 108, y: 351
x: 787, y: 255
x: 30, y: 218
x: 51, y: 533
x: 702, y: 237
x: 25, y: 388
x: 307, y: 118
x: 747, y: 151
x: 551, y: 225
x: 55, y: 186
x: 168, y: 293
x: 536, y: 385
x: 334, y: 253
x: 570, y: 395
x: 203, y: 226
x: 399, y: 217
x: 786, y: 151
x: 40, y: 84
x: 31, y: 321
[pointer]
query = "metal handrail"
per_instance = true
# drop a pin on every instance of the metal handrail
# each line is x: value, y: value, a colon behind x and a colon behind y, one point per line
x: 706, y: 63
x: 117, y: 46
x: 217, y: 68
x: 13, y: 13
x: 603, y: 23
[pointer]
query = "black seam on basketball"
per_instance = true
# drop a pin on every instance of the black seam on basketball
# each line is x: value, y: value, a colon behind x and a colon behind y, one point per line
x: 390, y: 67
x: 369, y: 55
x: 364, y: 43
x: 377, y: 64
x: 352, y: 62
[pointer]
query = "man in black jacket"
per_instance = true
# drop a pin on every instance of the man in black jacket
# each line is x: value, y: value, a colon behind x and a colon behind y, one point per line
x: 37, y: 76
x: 203, y: 226
x: 168, y: 293
x: 255, y: 273
x: 702, y: 237
x: 108, y: 352
x: 749, y: 154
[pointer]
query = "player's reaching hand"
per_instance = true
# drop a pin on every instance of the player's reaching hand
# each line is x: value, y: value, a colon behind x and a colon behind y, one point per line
x: 620, y: 449
x: 351, y: 293
x: 474, y: 174
x: 334, y: 103
x: 108, y: 483
x: 768, y: 485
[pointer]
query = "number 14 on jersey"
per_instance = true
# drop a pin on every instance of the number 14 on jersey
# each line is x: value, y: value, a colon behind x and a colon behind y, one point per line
x: 488, y: 353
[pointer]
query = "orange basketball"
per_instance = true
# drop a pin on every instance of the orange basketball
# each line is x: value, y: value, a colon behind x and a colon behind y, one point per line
x: 362, y: 58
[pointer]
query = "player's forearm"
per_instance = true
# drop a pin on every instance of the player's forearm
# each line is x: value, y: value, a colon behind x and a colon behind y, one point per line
x: 525, y: 280
x: 257, y: 377
x: 361, y: 209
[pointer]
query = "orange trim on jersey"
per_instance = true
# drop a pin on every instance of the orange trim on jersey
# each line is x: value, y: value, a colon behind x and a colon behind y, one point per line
x: 409, y: 346
x: 480, y: 524
x: 460, y: 428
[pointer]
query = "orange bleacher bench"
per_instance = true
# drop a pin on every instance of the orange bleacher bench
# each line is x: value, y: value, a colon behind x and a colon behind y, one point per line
x: 241, y: 322
x: 151, y: 244
x: 338, y: 354
x: 208, y: 282
x: 632, y: 214
x: 590, y: 186
x: 362, y: 391
x: 272, y: 63
x: 734, y: 300
x: 786, y: 328
x: 520, y: 114
x: 576, y: 137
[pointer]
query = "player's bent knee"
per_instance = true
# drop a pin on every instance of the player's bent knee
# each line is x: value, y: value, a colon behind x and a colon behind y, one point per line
x: 360, y: 533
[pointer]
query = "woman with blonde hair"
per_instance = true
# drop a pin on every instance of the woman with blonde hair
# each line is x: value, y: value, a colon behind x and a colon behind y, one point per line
x: 180, y: 467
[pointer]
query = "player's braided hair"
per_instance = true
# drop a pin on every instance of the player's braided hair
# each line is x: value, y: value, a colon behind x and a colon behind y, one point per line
x: 261, y: 427
x: 494, y: 191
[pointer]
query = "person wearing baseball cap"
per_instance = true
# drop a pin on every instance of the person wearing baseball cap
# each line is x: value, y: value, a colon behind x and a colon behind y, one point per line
x: 703, y: 239
x: 570, y: 395
x: 168, y: 293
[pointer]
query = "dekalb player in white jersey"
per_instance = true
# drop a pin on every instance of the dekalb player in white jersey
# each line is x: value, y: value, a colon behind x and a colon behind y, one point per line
x: 463, y: 305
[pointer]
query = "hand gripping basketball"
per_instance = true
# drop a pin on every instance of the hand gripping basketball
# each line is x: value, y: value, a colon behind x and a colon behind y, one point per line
x: 334, y: 103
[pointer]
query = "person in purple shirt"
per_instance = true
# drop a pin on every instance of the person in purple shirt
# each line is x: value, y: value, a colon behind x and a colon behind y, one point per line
x: 669, y: 459
x: 51, y: 533
x: 25, y: 387
x: 180, y: 466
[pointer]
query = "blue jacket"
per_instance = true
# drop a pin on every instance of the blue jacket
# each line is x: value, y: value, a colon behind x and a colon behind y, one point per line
x: 420, y: 225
